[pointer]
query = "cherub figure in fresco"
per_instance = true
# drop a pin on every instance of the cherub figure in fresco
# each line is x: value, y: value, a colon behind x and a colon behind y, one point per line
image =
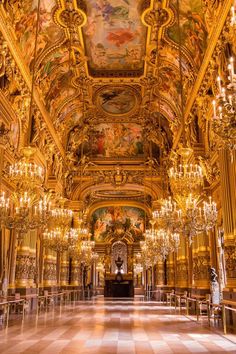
x: 99, y: 55
x: 99, y: 228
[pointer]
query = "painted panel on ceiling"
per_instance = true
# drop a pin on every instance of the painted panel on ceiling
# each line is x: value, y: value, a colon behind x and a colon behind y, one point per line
x: 193, y: 28
x: 25, y: 23
x: 114, y: 35
x: 114, y: 140
x: 116, y: 221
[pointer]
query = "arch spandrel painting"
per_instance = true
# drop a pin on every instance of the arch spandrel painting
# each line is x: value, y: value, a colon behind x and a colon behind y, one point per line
x: 115, y: 140
x: 193, y: 28
x: 117, y: 222
x: 114, y: 36
x: 24, y: 20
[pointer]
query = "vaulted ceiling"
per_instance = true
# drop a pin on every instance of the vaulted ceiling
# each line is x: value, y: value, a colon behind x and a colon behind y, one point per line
x: 108, y: 73
x: 93, y: 46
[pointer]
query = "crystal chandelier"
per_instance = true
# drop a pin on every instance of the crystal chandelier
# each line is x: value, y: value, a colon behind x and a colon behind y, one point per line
x: 148, y: 256
x: 166, y: 243
x: 157, y: 245
x: 59, y: 240
x: 27, y: 208
x: 224, y: 110
x: 27, y: 215
x: 61, y: 217
x: 87, y: 253
x: 194, y: 217
x: 185, y: 178
x: 26, y: 174
x: 168, y: 216
x: 138, y: 268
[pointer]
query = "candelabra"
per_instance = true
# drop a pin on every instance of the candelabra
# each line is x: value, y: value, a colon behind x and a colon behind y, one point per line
x: 224, y: 109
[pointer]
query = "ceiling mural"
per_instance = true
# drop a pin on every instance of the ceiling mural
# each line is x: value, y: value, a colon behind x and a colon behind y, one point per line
x: 193, y: 29
x: 24, y: 17
x: 108, y: 77
x: 115, y: 140
x: 69, y: 115
x: 117, y: 221
x: 116, y: 100
x: 114, y: 36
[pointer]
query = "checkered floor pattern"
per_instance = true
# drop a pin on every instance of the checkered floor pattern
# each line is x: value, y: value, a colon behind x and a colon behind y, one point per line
x: 113, y: 326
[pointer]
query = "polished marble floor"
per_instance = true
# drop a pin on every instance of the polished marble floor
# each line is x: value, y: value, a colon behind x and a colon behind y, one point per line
x: 107, y: 327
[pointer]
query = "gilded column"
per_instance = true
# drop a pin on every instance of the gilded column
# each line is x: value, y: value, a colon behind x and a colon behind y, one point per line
x: 75, y: 273
x: 32, y: 257
x: 201, y: 258
x: 12, y: 259
x: 23, y: 263
x: 49, y: 271
x: 182, y: 266
x: 160, y: 276
x: 228, y: 199
x: 171, y: 271
x: 64, y: 270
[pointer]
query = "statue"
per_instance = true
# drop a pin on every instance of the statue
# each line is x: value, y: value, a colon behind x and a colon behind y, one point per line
x: 213, y: 275
x: 214, y: 286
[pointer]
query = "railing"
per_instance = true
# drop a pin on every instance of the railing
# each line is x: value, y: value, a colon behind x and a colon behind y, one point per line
x: 195, y: 307
x: 43, y: 303
x: 226, y: 306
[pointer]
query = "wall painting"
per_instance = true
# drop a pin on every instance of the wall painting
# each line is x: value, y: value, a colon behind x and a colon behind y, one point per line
x: 116, y: 221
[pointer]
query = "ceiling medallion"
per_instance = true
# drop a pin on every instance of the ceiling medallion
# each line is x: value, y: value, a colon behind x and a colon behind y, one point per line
x: 118, y: 100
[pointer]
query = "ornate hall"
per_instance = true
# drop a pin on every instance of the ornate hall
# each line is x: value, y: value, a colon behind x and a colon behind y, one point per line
x: 117, y: 176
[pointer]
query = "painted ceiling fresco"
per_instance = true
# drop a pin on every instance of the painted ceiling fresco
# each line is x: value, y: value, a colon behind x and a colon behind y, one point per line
x: 117, y: 221
x: 115, y: 140
x: 193, y: 29
x: 114, y: 35
x: 24, y: 19
x: 115, y: 42
x: 116, y: 100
